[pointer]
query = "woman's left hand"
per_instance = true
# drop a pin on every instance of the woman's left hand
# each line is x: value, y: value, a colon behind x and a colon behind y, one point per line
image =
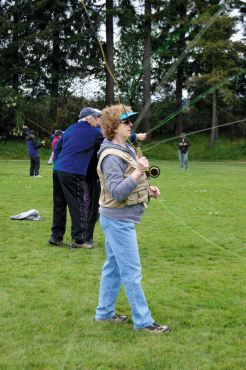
x: 154, y: 191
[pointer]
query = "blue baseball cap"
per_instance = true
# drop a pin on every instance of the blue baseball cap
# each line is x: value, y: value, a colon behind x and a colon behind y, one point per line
x: 127, y: 115
x: 85, y: 112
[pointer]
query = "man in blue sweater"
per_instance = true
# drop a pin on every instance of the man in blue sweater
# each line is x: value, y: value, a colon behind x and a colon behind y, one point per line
x: 33, y: 147
x: 72, y: 156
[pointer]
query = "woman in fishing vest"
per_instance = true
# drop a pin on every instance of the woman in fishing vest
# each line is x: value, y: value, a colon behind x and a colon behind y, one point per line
x: 124, y: 194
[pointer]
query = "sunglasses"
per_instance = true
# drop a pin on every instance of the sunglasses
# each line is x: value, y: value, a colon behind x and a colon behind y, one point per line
x: 126, y: 122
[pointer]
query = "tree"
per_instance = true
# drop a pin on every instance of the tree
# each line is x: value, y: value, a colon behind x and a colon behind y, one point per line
x: 175, y: 32
x: 109, y: 53
x: 219, y: 62
x: 46, y: 45
x: 147, y: 65
x: 129, y: 55
x: 15, y: 42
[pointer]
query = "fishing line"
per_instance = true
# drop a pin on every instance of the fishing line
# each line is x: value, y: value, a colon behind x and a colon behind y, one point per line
x: 105, y: 60
x: 101, y: 48
x: 189, y: 46
x: 173, y: 38
x: 179, y: 61
x: 195, y: 100
x: 223, y: 110
x: 201, y: 236
x: 106, y: 64
x: 181, y: 109
x: 194, y: 132
x: 30, y: 120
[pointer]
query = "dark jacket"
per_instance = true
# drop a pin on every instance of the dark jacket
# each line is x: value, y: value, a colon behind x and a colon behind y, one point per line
x: 75, y: 149
x: 32, y: 145
x: 184, y: 144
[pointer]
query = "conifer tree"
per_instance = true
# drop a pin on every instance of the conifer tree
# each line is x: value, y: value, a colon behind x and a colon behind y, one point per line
x: 45, y: 45
x: 218, y: 61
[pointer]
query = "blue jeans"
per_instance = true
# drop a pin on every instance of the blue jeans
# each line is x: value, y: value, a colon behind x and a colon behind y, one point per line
x: 183, y: 158
x: 122, y: 265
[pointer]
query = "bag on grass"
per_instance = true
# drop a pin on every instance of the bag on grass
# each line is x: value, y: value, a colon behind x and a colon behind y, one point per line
x: 31, y: 215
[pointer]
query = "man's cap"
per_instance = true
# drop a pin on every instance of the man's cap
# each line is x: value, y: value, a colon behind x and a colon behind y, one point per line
x: 85, y: 112
x: 127, y: 115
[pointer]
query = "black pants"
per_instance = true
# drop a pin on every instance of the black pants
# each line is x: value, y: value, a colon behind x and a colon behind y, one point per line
x: 68, y: 190
x: 34, y: 166
x: 91, y: 198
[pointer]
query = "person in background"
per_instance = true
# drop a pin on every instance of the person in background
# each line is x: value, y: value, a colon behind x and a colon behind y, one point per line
x: 72, y: 155
x: 33, y: 146
x: 124, y: 194
x: 50, y: 161
x: 58, y: 135
x: 91, y: 198
x: 184, y: 144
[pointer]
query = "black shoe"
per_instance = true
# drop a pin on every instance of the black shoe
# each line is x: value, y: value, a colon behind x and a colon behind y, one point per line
x: 56, y: 242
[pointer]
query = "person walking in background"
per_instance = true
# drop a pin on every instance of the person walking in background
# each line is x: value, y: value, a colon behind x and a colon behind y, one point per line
x: 33, y: 147
x: 124, y: 194
x: 184, y: 144
x: 72, y: 155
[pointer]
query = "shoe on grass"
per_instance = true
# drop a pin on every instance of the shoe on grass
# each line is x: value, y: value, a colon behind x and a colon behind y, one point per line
x: 88, y: 245
x: 118, y: 319
x: 56, y: 242
x: 76, y: 244
x: 155, y: 328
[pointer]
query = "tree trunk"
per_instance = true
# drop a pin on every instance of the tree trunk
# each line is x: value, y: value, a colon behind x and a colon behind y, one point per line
x: 147, y: 67
x: 179, y: 95
x: 109, y: 52
x: 181, y: 44
x: 15, y: 50
x: 214, y: 130
x: 55, y: 69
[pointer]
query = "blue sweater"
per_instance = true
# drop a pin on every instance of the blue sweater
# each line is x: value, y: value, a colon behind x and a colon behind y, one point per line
x: 32, y: 145
x: 75, y: 149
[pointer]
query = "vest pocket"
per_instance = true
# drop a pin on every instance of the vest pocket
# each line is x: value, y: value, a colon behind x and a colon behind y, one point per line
x: 143, y: 196
x: 132, y: 199
x: 140, y: 196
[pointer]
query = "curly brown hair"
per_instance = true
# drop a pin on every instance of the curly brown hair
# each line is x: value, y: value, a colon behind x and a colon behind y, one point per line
x: 110, y: 119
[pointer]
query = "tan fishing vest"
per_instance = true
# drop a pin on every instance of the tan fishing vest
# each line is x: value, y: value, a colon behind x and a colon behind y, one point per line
x: 139, y: 195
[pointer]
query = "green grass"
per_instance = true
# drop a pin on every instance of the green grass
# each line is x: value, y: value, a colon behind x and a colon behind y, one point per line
x: 16, y: 149
x: 193, y: 251
x: 224, y: 149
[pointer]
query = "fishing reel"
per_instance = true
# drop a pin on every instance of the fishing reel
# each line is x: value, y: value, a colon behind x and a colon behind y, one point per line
x: 153, y: 171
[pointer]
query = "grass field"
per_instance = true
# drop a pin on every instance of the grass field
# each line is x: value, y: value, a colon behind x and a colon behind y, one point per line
x: 162, y: 148
x: 193, y: 251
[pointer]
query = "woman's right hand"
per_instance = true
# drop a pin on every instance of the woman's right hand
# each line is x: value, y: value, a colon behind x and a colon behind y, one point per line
x: 142, y: 166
